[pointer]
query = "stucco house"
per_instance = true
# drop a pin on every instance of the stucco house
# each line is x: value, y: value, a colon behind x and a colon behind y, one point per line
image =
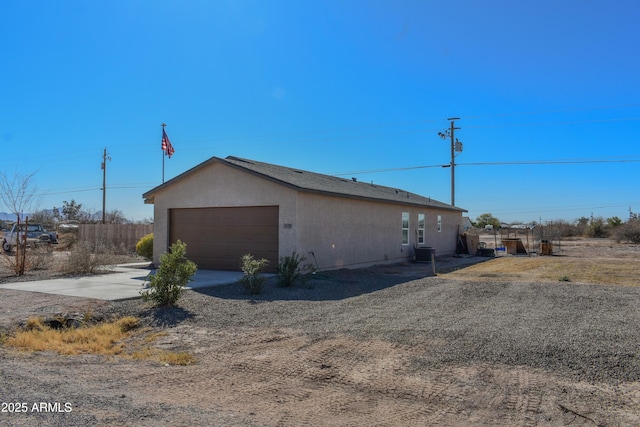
x: 224, y: 208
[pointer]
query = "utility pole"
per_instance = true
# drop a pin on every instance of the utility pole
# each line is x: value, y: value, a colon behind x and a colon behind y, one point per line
x: 456, y: 146
x: 104, y: 184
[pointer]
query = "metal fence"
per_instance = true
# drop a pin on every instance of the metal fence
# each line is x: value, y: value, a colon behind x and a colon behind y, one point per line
x: 118, y: 235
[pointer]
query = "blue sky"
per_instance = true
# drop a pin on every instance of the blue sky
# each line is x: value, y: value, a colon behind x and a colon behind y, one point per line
x: 335, y: 87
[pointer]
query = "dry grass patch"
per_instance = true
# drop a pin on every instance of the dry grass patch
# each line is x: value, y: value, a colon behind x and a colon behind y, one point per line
x: 142, y: 348
x: 605, y: 271
x: 122, y: 337
x: 164, y: 356
x: 103, y: 339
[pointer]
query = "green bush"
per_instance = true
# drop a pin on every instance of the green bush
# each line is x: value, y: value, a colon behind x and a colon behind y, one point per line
x: 144, y: 247
x: 289, y: 269
x: 252, y: 279
x: 167, y: 284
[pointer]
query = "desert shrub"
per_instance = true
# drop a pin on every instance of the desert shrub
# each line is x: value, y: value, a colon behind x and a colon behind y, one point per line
x: 597, y: 228
x: 144, y: 247
x: 552, y: 230
x: 39, y: 258
x: 80, y: 260
x: 166, y: 286
x: 21, y: 261
x: 86, y: 258
x: 252, y: 279
x: 628, y: 232
x: 289, y: 269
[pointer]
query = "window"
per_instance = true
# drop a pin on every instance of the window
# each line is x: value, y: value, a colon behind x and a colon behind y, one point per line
x: 439, y: 223
x: 405, y: 228
x: 421, y: 229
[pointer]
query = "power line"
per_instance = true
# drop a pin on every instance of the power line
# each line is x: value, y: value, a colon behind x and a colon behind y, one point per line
x: 48, y: 193
x: 111, y: 187
x: 508, y: 163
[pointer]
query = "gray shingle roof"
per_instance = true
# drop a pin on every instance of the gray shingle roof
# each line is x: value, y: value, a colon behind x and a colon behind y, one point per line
x: 302, y: 180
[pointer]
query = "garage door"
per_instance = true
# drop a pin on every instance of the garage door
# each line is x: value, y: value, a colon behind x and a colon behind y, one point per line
x: 217, y: 238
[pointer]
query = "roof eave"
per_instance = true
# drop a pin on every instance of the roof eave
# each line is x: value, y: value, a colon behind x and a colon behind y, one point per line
x: 149, y: 196
x: 331, y: 193
x: 380, y: 200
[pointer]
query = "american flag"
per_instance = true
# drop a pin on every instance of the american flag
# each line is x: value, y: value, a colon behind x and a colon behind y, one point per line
x: 166, y: 145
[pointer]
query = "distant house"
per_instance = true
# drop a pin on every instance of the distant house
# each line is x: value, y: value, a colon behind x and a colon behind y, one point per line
x: 224, y: 208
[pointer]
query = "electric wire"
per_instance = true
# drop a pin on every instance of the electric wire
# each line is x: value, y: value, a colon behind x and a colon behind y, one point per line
x: 506, y: 163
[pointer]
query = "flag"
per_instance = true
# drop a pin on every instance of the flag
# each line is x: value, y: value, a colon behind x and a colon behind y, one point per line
x: 166, y: 145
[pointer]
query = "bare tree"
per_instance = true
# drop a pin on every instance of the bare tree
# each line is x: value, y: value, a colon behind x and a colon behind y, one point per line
x: 19, y: 193
x: 43, y: 216
x: 115, y: 216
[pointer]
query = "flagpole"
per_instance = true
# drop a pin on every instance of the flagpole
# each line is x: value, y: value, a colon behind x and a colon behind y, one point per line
x: 163, y: 152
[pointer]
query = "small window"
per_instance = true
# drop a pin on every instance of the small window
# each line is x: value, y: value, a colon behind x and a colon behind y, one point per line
x: 439, y: 223
x: 421, y: 229
x: 405, y: 228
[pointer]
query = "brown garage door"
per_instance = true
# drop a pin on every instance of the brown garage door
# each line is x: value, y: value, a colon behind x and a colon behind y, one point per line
x: 216, y: 238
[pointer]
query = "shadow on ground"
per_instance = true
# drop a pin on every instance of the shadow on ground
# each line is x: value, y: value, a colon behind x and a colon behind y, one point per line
x: 166, y: 316
x: 340, y: 284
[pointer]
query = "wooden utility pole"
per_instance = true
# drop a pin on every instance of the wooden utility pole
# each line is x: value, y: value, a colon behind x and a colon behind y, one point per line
x: 104, y: 185
x: 453, y: 160
x: 456, y: 146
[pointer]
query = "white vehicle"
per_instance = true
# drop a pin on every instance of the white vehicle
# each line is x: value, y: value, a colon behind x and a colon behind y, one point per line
x: 36, y: 235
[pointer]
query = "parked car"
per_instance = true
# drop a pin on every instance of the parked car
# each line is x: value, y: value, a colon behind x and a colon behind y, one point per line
x: 36, y: 235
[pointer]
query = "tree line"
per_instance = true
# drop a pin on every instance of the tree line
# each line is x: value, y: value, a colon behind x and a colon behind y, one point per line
x: 594, y: 227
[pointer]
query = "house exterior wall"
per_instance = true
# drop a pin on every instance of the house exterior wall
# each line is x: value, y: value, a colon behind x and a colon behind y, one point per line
x: 344, y: 232
x: 338, y: 231
x: 219, y: 186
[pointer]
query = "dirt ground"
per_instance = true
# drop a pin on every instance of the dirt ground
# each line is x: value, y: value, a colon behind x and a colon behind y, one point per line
x: 386, y: 347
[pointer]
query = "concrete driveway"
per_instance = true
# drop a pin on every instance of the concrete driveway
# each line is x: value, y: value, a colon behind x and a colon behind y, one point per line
x: 125, y: 282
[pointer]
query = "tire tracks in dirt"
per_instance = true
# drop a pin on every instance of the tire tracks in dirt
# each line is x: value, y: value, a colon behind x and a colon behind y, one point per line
x: 286, y: 379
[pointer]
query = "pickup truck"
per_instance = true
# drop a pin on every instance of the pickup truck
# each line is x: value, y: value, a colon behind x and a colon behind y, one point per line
x: 36, y: 236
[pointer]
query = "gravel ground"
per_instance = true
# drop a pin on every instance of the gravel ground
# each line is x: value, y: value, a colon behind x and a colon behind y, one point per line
x: 586, y: 332
x: 380, y: 346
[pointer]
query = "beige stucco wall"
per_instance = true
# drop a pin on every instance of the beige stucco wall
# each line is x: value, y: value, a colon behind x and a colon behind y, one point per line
x: 339, y: 231
x: 218, y: 185
x: 343, y: 232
